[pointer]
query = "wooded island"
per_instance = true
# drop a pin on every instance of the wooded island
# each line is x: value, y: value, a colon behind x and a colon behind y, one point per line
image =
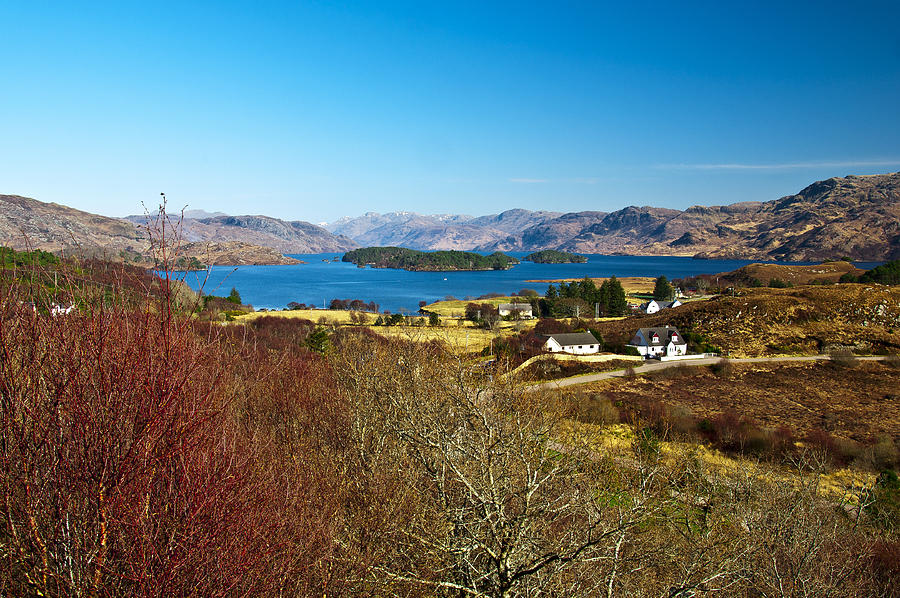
x: 552, y: 256
x: 423, y: 261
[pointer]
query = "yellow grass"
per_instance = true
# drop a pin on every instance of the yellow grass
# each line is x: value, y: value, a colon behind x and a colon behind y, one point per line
x: 461, y: 338
x: 332, y: 316
x: 457, y: 307
x: 844, y: 484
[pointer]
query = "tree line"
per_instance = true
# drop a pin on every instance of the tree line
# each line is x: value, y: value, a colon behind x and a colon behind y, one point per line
x: 583, y: 298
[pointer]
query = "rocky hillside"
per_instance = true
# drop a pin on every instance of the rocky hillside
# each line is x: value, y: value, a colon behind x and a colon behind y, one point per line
x: 855, y: 216
x: 795, y: 275
x: 219, y: 240
x: 27, y: 223
x: 802, y: 320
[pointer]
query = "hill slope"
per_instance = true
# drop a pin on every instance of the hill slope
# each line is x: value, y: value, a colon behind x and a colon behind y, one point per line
x: 29, y: 223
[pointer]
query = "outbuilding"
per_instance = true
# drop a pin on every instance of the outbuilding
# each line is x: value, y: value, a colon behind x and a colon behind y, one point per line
x: 654, y: 305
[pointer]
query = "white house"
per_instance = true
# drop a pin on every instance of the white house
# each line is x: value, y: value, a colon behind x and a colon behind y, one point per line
x: 59, y: 310
x: 577, y: 343
x: 653, y: 306
x: 655, y: 342
x: 523, y: 310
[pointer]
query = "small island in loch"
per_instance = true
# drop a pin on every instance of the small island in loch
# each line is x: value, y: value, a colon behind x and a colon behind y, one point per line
x: 552, y: 256
x: 428, y: 261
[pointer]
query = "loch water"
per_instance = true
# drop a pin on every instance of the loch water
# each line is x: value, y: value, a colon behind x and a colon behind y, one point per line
x: 322, y: 279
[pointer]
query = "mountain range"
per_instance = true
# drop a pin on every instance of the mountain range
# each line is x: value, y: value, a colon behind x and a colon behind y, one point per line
x: 853, y: 216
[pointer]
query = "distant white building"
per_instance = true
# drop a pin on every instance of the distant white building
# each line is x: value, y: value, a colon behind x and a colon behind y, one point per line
x: 655, y: 342
x: 523, y: 309
x: 576, y: 343
x: 60, y: 310
x: 653, y: 306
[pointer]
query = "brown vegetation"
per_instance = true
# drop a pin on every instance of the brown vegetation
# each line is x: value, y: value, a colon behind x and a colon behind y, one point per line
x: 848, y: 410
x: 145, y: 453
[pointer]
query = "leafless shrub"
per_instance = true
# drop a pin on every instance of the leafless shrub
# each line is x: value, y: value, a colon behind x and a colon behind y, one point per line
x: 724, y: 368
x: 842, y: 357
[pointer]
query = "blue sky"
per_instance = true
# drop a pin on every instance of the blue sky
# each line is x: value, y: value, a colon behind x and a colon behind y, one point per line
x: 312, y: 111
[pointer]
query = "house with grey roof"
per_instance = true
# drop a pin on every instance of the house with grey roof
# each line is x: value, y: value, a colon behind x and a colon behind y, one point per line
x: 658, y: 342
x: 654, y: 305
x: 576, y: 343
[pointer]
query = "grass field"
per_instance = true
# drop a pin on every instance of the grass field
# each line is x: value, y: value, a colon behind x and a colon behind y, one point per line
x: 332, y: 316
x: 460, y: 336
x: 617, y: 439
x: 457, y: 307
x: 458, y: 339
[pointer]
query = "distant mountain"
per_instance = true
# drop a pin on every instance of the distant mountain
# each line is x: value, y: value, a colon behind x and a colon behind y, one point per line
x: 194, y: 214
x: 265, y: 231
x: 550, y: 234
x: 356, y: 227
x: 441, y: 231
x: 855, y: 216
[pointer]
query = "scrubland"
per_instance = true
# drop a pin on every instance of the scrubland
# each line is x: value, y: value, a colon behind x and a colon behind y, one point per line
x: 144, y: 452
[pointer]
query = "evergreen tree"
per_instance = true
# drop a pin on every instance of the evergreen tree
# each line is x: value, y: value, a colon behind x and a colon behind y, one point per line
x: 234, y: 296
x: 317, y: 341
x: 617, y: 305
x: 663, y: 291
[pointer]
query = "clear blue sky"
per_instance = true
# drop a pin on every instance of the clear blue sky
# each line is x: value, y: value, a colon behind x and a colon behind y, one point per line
x: 313, y: 111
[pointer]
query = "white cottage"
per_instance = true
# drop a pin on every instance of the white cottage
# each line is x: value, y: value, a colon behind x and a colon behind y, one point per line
x: 653, y: 306
x: 576, y: 343
x: 655, y: 342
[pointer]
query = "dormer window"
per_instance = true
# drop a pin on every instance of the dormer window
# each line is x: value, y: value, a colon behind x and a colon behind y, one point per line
x: 674, y: 337
x: 654, y: 338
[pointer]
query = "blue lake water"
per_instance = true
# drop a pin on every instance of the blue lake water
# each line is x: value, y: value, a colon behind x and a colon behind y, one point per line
x: 317, y: 282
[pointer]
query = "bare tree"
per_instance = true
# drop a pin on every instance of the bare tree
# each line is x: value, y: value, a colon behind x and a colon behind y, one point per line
x: 506, y: 503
